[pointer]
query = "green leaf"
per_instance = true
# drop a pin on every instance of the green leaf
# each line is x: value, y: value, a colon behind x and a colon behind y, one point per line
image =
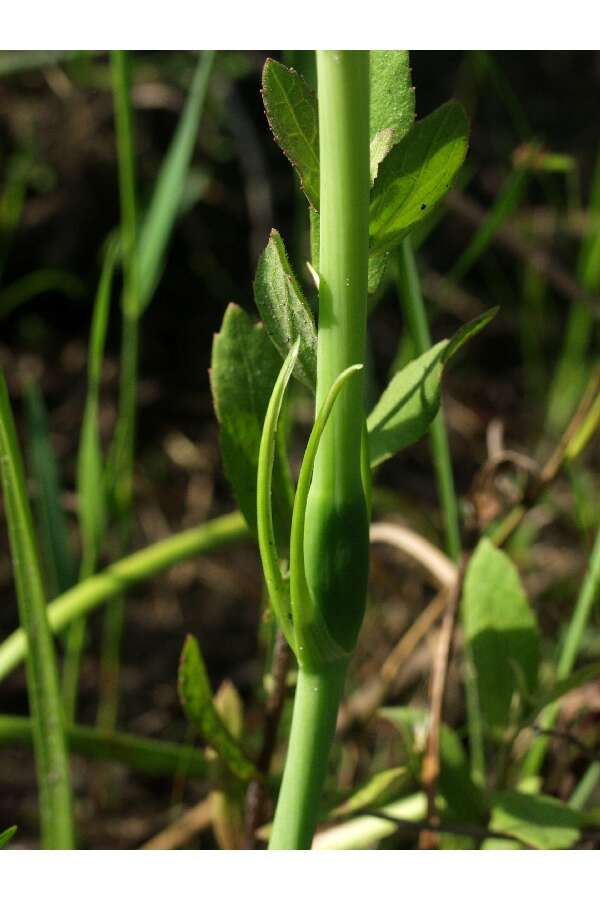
x: 42, y: 677
x: 384, y: 787
x: 160, y: 217
x: 501, y: 633
x: 411, y: 400
x: 197, y: 700
x: 141, y: 754
x: 91, y: 489
x: 54, y: 530
x: 277, y: 587
x: 291, y: 109
x: 463, y: 798
x: 535, y: 819
x: 245, y: 365
x: 416, y: 174
x: 7, y: 835
x: 407, y: 407
x: 562, y: 687
x: 392, y: 102
x: 284, y: 310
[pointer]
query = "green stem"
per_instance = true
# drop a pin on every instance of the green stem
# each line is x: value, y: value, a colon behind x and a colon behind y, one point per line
x: 91, y: 593
x: 336, y: 535
x: 590, y: 590
x: 411, y: 298
x: 52, y: 762
x: 124, y: 445
x: 148, y: 755
x: 336, y: 539
x: 413, y: 307
x: 313, y: 726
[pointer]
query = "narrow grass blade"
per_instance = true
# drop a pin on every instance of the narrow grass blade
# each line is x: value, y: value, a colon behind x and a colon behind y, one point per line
x: 166, y: 200
x: 34, y: 284
x: 141, y: 754
x: 54, y: 530
x: 42, y: 678
x: 91, y: 593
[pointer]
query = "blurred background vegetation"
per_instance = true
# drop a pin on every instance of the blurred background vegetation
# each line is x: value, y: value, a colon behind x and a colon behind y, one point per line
x: 520, y: 230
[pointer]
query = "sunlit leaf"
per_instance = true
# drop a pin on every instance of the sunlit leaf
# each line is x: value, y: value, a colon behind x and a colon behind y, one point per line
x: 535, y: 819
x: 416, y: 174
x: 501, y: 633
x: 411, y: 400
x: 384, y: 787
x: 392, y: 102
x: 291, y: 109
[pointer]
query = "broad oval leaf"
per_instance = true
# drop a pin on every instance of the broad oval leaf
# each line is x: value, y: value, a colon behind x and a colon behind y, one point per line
x: 291, y: 109
x: 500, y: 632
x: 244, y: 367
x: 416, y: 174
x: 284, y: 310
x: 198, y: 704
x: 535, y: 819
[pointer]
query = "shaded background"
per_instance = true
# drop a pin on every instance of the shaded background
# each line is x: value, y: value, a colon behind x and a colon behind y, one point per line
x: 59, y: 201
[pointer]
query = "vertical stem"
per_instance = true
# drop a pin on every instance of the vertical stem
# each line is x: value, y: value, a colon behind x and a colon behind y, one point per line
x: 336, y: 537
x: 124, y: 445
x: 411, y: 298
x: 316, y: 704
x: 336, y: 542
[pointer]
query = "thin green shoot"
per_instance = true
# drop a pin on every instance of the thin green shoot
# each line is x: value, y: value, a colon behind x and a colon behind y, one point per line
x: 52, y: 763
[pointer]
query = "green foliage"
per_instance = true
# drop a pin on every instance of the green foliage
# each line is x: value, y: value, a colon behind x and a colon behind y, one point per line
x: 244, y: 368
x: 381, y: 788
x: 291, y: 109
x: 320, y: 639
x: 392, y: 102
x: 90, y: 466
x: 141, y: 754
x: 284, y: 310
x: 501, y: 635
x: 463, y: 798
x: 416, y: 174
x: 411, y: 400
x: 42, y: 677
x: 7, y: 835
x: 277, y: 585
x: 197, y: 700
x: 54, y: 529
x: 538, y: 821
x: 158, y: 223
